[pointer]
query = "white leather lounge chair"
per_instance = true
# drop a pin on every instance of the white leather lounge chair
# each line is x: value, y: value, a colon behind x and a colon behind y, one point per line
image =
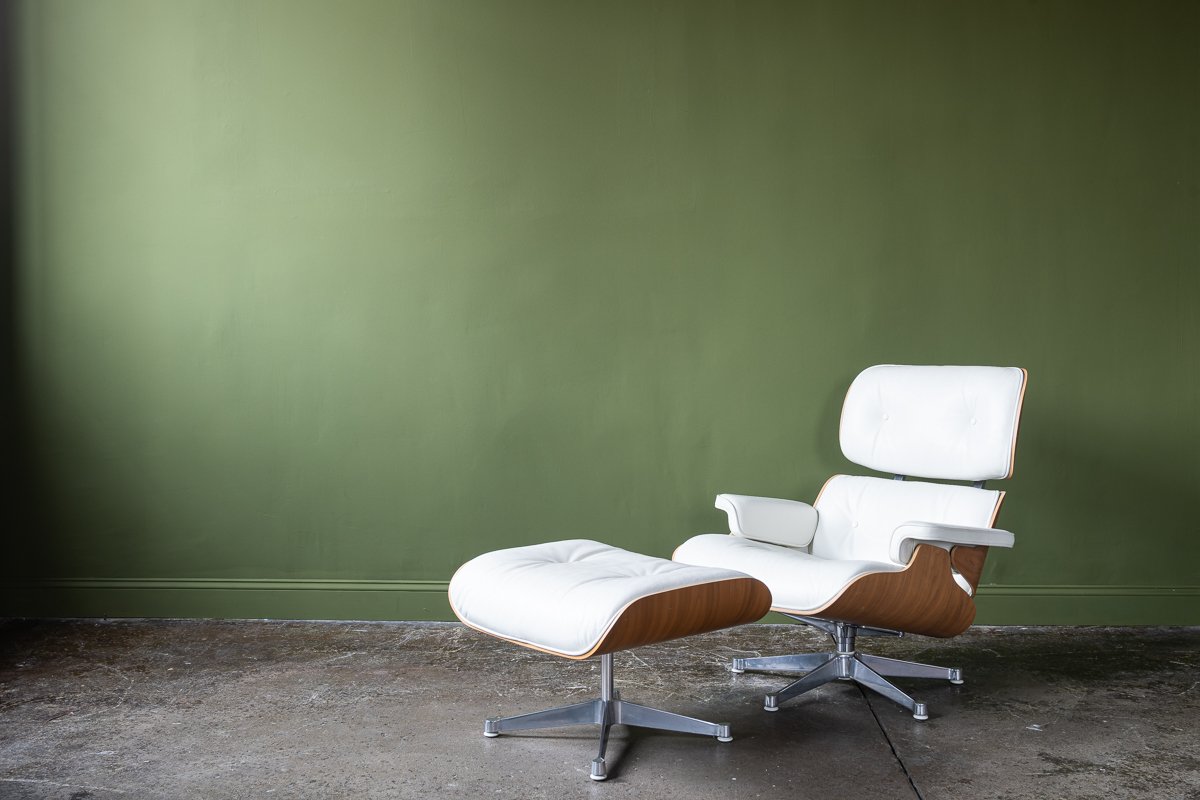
x: 883, y: 555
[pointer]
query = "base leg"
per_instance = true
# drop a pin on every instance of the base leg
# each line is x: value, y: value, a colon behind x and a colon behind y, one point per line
x: 876, y: 682
x: 607, y: 718
x: 800, y: 662
x: 821, y: 675
x: 577, y: 714
x: 894, y: 668
x: 647, y: 717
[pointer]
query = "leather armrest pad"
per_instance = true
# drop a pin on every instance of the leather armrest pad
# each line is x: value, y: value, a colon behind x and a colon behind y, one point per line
x: 769, y: 519
x: 909, y: 534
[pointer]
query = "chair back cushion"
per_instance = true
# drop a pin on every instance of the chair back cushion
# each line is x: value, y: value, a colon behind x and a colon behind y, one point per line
x: 857, y: 515
x: 951, y: 423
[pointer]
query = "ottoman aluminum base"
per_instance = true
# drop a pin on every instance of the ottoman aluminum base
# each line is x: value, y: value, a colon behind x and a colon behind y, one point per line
x: 607, y: 710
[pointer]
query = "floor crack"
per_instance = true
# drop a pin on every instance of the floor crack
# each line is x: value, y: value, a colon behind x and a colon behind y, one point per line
x: 891, y: 745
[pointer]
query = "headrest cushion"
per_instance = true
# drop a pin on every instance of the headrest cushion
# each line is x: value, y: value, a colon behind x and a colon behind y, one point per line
x: 953, y: 423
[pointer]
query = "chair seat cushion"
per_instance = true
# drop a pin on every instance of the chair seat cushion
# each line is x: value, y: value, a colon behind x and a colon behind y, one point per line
x: 800, y: 583
x: 566, y: 597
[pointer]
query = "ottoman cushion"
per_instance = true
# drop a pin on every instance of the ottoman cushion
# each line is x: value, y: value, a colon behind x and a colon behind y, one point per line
x: 580, y: 598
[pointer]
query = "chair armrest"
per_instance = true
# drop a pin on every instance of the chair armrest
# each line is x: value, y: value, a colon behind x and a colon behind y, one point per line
x: 768, y: 519
x: 908, y: 535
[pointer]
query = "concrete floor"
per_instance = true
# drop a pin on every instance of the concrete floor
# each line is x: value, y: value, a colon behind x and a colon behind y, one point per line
x: 204, y: 709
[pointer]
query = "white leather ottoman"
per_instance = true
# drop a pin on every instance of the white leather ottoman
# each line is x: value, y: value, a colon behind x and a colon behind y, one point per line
x: 577, y: 599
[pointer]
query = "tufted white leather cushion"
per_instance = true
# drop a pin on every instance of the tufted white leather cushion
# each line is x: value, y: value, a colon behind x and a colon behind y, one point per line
x: 563, y: 596
x: 798, y: 581
x: 858, y: 515
x: 954, y: 423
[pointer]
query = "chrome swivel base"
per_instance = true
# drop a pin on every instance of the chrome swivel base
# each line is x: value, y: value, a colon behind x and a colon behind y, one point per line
x: 608, y: 710
x: 847, y: 665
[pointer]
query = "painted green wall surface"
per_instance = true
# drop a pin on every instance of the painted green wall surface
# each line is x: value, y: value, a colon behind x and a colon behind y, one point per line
x: 317, y: 300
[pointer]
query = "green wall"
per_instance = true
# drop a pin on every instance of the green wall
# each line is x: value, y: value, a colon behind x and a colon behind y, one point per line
x: 316, y: 300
